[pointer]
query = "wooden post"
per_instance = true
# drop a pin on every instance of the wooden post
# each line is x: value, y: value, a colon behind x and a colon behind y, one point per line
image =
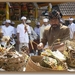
x: 36, y: 13
x: 7, y: 10
x: 49, y: 7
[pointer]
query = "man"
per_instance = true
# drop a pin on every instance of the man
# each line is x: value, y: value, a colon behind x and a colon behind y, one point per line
x: 8, y: 30
x: 45, y: 24
x: 56, y: 31
x: 37, y: 29
x: 71, y: 27
x: 33, y: 35
x: 23, y: 32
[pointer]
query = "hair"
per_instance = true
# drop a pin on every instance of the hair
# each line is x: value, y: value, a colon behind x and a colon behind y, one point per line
x: 54, y: 15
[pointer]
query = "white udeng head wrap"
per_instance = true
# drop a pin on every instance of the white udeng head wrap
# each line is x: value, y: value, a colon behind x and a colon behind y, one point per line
x: 45, y: 20
x: 71, y: 19
x: 22, y: 18
x: 8, y: 21
x: 28, y: 21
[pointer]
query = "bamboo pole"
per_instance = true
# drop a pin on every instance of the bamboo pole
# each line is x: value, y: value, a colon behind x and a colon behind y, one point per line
x: 36, y: 13
x: 7, y: 10
x: 49, y: 7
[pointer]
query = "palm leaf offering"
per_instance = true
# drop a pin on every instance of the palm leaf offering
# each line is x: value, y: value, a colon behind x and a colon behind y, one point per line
x: 70, y: 53
x: 55, y: 60
x: 64, y: 59
x: 10, y: 58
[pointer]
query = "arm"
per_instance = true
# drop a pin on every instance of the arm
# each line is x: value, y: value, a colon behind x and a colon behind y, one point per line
x: 66, y: 34
x: 28, y: 30
x: 44, y: 39
x: 18, y: 30
x: 33, y: 33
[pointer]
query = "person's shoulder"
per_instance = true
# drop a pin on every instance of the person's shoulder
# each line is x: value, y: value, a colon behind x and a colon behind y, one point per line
x: 73, y: 24
x: 2, y: 26
x: 64, y: 27
x: 11, y: 26
x: 19, y: 25
x: 41, y: 26
x: 47, y: 27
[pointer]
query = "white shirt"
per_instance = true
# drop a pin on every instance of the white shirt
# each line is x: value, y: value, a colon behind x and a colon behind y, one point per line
x: 42, y: 30
x: 33, y: 34
x: 23, y: 36
x: 8, y: 31
x: 72, y: 29
x: 37, y: 30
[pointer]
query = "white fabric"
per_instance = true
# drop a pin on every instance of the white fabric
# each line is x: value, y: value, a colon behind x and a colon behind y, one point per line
x: 15, y: 30
x: 42, y: 30
x: 37, y: 23
x: 33, y: 35
x: 45, y: 20
x: 71, y: 19
x: 23, y: 36
x: 8, y: 21
x: 23, y: 18
x: 28, y: 21
x: 37, y: 30
x: 8, y: 31
x: 12, y: 22
x: 72, y: 30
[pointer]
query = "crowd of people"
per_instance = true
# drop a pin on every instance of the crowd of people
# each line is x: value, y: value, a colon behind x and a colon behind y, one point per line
x: 25, y: 35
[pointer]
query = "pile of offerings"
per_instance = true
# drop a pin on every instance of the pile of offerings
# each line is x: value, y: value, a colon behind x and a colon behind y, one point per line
x: 54, y: 60
x: 25, y: 50
x: 47, y: 61
x: 70, y: 53
x: 10, y: 59
x: 60, y: 60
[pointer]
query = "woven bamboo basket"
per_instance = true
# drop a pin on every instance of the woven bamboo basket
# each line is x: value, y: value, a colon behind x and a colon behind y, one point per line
x: 32, y: 65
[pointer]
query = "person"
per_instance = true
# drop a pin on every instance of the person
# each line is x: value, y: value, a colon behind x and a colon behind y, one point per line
x: 54, y: 32
x: 13, y: 24
x: 15, y: 33
x: 33, y: 35
x: 37, y: 29
x: 23, y: 32
x: 71, y: 27
x: 62, y: 21
x: 45, y: 24
x: 8, y: 30
x: 0, y: 33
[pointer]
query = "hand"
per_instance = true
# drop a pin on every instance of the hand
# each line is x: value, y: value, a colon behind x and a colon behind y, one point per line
x: 59, y: 47
x: 40, y: 46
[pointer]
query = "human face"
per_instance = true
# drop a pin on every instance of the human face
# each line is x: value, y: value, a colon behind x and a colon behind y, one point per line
x: 23, y: 21
x: 7, y: 24
x: 54, y: 22
x: 29, y: 24
x: 45, y: 23
x: 70, y: 21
